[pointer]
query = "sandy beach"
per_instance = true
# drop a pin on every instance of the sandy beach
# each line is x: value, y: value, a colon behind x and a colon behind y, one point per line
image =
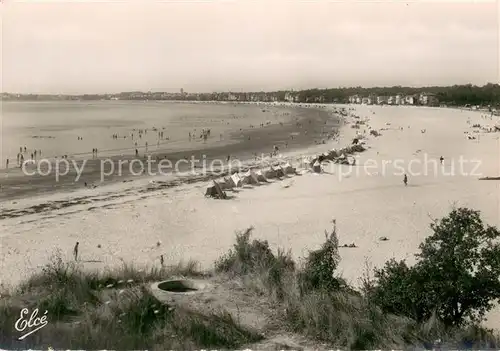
x: 127, y: 222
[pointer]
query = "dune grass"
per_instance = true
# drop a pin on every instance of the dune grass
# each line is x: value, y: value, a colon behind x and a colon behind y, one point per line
x: 114, y: 309
x: 320, y: 304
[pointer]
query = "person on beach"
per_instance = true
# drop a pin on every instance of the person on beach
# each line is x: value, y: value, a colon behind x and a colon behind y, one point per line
x: 22, y: 160
x: 405, y: 180
x: 75, y: 251
x: 7, y: 163
x: 136, y: 153
x: 162, y: 261
x: 441, y: 159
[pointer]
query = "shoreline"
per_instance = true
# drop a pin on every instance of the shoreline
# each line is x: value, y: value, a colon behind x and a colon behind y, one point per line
x: 242, y: 146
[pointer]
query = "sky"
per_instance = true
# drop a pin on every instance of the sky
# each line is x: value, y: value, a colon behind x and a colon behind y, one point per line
x: 76, y: 47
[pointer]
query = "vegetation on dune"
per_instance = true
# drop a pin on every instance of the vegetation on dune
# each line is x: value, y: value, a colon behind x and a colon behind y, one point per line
x: 456, y: 276
x: 442, y: 297
x: 112, y: 310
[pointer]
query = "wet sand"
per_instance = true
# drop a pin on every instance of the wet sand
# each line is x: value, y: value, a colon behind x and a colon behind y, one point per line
x: 241, y: 145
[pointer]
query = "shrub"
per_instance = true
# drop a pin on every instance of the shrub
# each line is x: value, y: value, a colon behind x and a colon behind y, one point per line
x: 456, y: 275
x: 348, y: 321
x: 319, y: 269
x: 257, y: 258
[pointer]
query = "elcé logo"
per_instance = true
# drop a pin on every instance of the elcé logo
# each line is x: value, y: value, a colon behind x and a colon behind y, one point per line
x: 33, y: 322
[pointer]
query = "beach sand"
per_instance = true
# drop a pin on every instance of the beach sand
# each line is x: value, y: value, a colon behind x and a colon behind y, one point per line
x: 366, y: 204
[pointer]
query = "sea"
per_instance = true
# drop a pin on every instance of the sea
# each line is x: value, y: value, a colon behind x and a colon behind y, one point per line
x: 75, y: 128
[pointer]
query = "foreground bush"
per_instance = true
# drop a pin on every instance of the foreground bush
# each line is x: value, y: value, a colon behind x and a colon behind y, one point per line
x: 315, y: 300
x: 456, y: 277
x: 319, y: 269
x: 396, y: 310
x: 257, y: 259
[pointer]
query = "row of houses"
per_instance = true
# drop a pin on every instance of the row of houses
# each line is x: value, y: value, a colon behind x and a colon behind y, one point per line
x: 257, y: 97
x: 427, y: 99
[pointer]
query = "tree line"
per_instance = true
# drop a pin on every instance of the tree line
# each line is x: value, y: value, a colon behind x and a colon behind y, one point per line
x: 456, y: 95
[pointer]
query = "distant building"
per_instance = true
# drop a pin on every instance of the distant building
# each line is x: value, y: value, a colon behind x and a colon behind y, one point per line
x: 428, y: 99
x: 409, y: 100
x: 399, y: 99
x: 381, y: 100
x: 290, y: 96
x: 372, y: 99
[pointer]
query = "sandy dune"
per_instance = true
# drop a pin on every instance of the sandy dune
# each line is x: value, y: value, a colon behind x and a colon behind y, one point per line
x: 367, y: 204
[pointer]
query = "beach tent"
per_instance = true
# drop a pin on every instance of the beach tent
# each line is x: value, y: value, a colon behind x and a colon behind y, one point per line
x: 211, y: 191
x: 279, y: 172
x: 260, y: 176
x: 320, y: 159
x: 235, y: 180
x: 270, y: 173
x: 332, y: 154
x: 316, y: 167
x: 224, y: 184
x: 215, y: 191
x: 250, y: 178
x: 221, y: 194
x: 288, y: 169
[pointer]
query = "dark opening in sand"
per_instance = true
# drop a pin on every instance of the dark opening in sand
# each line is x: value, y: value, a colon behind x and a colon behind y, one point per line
x: 178, y: 286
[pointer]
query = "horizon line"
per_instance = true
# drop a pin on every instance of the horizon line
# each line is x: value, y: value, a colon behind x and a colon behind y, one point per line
x: 258, y: 91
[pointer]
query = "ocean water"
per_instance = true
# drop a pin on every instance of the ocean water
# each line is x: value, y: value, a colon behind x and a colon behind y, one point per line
x: 55, y: 127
